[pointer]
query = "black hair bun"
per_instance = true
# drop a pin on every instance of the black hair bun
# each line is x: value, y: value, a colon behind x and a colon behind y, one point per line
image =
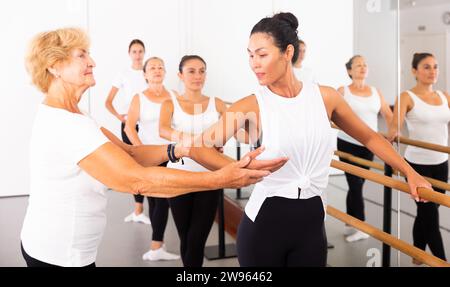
x: 288, y: 18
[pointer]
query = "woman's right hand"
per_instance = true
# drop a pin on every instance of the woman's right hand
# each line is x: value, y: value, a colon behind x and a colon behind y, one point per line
x: 237, y: 175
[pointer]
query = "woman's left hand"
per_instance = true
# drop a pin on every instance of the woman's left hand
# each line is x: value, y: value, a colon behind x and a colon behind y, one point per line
x: 416, y: 181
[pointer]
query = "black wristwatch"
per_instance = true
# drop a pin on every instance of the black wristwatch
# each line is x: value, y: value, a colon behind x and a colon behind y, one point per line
x: 171, y: 154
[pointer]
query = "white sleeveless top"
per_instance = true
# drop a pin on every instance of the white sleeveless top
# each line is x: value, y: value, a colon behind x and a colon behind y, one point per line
x: 366, y: 108
x: 297, y: 128
x: 193, y: 124
x: 149, y: 122
x: 427, y: 123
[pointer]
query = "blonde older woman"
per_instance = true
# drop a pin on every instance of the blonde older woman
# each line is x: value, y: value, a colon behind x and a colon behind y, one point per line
x: 71, y: 160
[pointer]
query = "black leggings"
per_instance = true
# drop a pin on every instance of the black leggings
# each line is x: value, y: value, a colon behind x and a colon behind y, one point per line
x: 286, y: 233
x: 137, y: 197
x: 355, y: 199
x: 426, y: 230
x: 158, y: 211
x: 159, y: 214
x: 32, y: 262
x: 194, y: 215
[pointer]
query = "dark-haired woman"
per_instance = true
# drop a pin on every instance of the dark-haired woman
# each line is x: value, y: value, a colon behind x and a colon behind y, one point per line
x: 283, y: 224
x: 366, y: 102
x: 130, y: 81
x: 427, y: 114
x: 181, y: 119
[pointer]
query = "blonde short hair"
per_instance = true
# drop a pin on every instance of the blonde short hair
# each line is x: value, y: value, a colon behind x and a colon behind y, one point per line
x: 151, y: 59
x: 50, y: 48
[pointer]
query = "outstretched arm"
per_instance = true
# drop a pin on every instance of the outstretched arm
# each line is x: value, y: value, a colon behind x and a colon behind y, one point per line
x: 245, y: 110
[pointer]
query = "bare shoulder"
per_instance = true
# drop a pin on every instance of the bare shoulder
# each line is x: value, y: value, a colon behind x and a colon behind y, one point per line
x: 167, y: 104
x: 329, y: 93
x: 136, y: 98
x: 246, y: 104
x: 341, y: 90
x: 404, y: 96
x: 220, y: 105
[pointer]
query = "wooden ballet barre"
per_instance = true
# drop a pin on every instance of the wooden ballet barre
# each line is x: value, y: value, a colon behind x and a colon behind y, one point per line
x: 421, y: 144
x: 390, y: 240
x: 424, y: 193
x: 436, y: 183
x: 416, y: 143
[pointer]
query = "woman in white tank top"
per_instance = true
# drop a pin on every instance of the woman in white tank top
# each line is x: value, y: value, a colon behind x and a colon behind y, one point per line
x: 366, y: 102
x: 427, y: 114
x: 182, y: 118
x: 283, y: 224
x: 145, y: 108
x: 129, y: 82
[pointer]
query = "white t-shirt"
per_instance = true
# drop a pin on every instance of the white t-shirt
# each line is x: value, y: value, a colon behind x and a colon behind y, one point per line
x: 305, y: 74
x: 65, y: 217
x: 130, y: 82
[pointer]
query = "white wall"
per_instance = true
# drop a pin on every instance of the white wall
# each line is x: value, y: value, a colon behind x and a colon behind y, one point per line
x: 216, y: 30
x: 376, y: 38
x: 327, y: 28
x: 19, y: 98
x: 113, y: 24
x: 412, y: 20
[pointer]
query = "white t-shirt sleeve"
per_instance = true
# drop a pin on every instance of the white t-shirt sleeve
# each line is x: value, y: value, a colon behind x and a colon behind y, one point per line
x: 118, y: 81
x: 83, y: 138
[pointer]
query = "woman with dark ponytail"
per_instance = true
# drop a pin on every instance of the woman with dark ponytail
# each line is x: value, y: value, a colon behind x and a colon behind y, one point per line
x: 283, y: 224
x: 427, y: 114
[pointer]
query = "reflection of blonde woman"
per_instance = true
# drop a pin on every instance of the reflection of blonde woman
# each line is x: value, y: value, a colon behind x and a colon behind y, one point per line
x: 145, y: 108
x: 427, y: 114
x: 367, y: 102
x: 130, y: 81
x: 71, y: 160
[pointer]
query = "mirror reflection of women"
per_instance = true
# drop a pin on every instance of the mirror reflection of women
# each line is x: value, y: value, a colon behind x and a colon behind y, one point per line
x: 367, y: 102
x: 426, y: 112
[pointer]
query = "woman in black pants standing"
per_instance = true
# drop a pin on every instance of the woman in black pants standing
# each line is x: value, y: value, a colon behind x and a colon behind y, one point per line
x: 145, y: 108
x: 427, y: 114
x: 182, y: 118
x: 366, y: 102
